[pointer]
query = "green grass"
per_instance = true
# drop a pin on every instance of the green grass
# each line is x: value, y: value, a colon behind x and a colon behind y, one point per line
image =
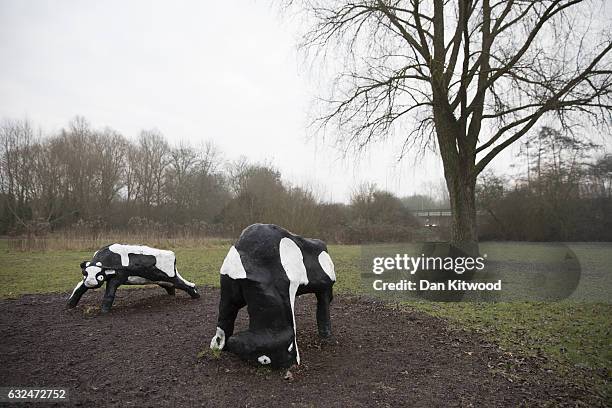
x: 571, y: 334
x: 576, y: 338
x: 214, y: 353
x: 58, y: 271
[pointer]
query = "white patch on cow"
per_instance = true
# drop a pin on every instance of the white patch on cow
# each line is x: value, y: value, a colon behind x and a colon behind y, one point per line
x: 75, y: 289
x: 87, y: 264
x: 92, y: 270
x: 138, y: 280
x: 110, y: 271
x: 328, y: 265
x: 290, y: 347
x: 98, y: 263
x: 90, y: 279
x: 232, y: 265
x: 100, y: 278
x: 264, y: 359
x: 185, y: 281
x: 293, y: 262
x: 218, y: 341
x: 164, y: 260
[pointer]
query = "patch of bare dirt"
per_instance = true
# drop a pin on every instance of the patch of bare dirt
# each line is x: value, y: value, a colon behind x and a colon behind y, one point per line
x: 148, y: 352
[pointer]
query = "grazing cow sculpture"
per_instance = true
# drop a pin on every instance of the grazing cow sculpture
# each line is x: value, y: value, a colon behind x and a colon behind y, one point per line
x: 119, y: 264
x: 265, y: 270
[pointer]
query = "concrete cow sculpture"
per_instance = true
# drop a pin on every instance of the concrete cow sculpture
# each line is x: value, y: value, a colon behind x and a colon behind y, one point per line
x: 265, y: 270
x: 119, y: 264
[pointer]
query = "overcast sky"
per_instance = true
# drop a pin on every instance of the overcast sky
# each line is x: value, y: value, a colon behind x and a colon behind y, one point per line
x: 195, y: 70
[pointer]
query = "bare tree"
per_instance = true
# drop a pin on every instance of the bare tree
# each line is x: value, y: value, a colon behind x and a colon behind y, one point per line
x: 132, y: 191
x: 600, y: 174
x: 470, y: 77
x: 151, y: 162
x: 17, y: 182
x: 111, y: 149
x: 49, y: 172
x: 193, y: 183
x: 182, y: 162
x: 371, y: 205
x: 210, y: 191
x: 79, y: 158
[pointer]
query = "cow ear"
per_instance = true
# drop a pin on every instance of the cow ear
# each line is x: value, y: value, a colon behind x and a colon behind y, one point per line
x: 83, y: 264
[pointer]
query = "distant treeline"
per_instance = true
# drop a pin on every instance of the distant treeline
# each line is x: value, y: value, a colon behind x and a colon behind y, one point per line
x: 94, y: 181
x: 89, y: 182
x: 563, y: 195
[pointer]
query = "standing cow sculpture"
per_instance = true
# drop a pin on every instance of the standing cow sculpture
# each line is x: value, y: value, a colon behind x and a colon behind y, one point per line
x: 265, y: 270
x: 119, y: 264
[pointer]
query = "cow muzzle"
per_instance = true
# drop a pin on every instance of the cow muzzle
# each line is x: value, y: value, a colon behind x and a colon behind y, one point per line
x: 91, y: 283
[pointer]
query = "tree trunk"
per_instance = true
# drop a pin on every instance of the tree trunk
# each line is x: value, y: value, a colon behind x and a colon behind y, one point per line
x: 458, y: 159
x: 464, y: 230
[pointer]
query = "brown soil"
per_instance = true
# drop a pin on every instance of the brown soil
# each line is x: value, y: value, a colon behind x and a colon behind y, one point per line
x: 146, y: 352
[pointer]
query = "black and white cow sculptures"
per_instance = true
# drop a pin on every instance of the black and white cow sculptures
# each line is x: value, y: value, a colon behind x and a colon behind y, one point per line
x: 265, y: 270
x: 120, y: 264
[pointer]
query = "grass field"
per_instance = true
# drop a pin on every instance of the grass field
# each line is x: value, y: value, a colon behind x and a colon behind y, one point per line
x: 576, y: 335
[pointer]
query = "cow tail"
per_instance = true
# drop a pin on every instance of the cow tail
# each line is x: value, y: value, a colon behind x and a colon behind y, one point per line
x: 178, y: 275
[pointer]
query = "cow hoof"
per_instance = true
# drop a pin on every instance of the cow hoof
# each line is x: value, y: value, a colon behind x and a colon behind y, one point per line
x: 195, y: 295
x: 70, y: 306
x: 325, y: 334
x: 105, y: 310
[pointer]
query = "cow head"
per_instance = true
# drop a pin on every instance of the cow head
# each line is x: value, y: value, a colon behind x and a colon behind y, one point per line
x: 275, y: 349
x: 94, y: 275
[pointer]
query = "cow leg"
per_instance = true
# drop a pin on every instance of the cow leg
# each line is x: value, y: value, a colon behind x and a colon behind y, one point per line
x: 323, y: 320
x: 170, y: 289
x: 230, y: 303
x: 191, y: 290
x: 76, y: 294
x: 109, y: 294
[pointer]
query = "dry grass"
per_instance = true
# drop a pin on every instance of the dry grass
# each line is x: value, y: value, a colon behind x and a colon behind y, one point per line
x: 72, y: 242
